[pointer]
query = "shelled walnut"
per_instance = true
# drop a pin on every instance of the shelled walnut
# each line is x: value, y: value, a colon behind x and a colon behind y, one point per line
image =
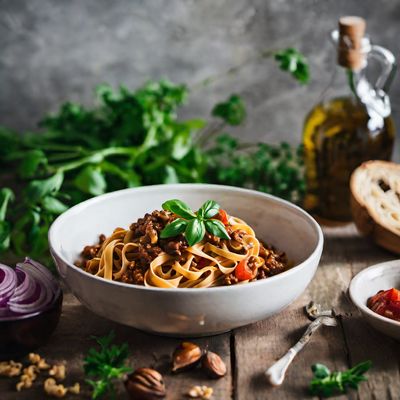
x: 10, y: 368
x: 58, y: 371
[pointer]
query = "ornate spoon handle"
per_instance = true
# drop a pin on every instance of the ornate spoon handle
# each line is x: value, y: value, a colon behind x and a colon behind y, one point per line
x: 276, y: 373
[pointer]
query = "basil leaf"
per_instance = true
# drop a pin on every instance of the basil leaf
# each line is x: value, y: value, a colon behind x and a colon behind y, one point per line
x: 208, y: 209
x: 216, y: 228
x: 195, y: 231
x: 180, y: 208
x: 174, y: 228
x: 91, y: 180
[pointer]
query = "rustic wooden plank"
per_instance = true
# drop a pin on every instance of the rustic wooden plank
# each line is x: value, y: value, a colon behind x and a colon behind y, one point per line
x: 258, y: 346
x: 72, y: 339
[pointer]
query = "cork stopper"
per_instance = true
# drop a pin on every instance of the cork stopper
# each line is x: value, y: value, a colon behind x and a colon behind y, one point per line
x: 351, y: 34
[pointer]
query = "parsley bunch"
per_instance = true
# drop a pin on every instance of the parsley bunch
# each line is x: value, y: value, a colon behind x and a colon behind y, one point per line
x: 326, y: 383
x: 105, y: 366
x: 129, y: 139
x: 194, y: 225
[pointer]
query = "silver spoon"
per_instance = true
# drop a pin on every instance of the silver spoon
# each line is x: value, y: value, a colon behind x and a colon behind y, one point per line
x: 276, y: 373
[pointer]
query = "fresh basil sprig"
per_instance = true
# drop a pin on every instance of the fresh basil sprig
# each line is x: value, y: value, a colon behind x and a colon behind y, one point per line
x: 194, y: 225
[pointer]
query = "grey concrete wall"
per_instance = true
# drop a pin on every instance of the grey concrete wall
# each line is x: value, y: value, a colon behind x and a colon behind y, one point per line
x: 52, y: 51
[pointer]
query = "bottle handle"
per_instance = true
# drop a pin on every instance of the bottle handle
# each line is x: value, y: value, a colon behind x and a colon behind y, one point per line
x: 388, y: 65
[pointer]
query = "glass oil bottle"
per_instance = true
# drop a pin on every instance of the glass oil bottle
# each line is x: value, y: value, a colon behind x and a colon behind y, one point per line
x: 347, y: 128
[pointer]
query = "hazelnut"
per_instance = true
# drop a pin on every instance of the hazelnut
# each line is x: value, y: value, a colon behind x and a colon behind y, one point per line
x: 145, y: 384
x: 213, y: 365
x: 186, y: 355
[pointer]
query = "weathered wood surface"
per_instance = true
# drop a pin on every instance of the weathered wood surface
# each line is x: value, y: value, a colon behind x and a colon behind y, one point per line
x: 250, y: 350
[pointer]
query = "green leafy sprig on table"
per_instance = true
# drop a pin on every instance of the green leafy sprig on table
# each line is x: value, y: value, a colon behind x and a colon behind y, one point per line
x: 193, y: 224
x: 129, y: 139
x: 326, y: 383
x: 105, y: 366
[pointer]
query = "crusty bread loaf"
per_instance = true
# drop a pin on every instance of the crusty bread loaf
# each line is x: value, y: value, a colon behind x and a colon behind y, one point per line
x: 375, y: 202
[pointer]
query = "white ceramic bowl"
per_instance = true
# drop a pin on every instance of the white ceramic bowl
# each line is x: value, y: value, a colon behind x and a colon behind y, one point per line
x: 187, y: 312
x: 368, y: 282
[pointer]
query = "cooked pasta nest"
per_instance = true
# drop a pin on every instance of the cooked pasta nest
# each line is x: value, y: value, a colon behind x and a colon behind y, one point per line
x: 211, y: 262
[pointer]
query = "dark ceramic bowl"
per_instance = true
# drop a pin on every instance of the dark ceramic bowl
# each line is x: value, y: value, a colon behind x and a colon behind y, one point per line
x: 21, y: 335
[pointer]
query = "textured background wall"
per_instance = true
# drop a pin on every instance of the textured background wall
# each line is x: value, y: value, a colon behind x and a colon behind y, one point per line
x: 51, y: 51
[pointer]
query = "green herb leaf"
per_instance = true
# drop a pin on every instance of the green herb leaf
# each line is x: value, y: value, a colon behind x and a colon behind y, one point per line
x: 326, y: 383
x: 31, y: 162
x: 208, y: 209
x: 53, y: 205
x: 195, y: 231
x: 216, y: 228
x: 174, y: 228
x: 179, y: 208
x: 105, y: 365
x: 91, y: 180
x: 320, y: 371
x: 294, y: 62
x: 170, y: 175
x: 38, y: 189
x: 5, y: 232
x: 232, y: 111
x: 6, y: 195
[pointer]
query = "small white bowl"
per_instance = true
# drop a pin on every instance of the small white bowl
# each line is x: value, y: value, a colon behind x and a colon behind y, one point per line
x: 187, y: 312
x: 367, y: 283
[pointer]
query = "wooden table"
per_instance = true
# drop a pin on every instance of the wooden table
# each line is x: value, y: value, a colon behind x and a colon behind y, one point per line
x: 250, y: 350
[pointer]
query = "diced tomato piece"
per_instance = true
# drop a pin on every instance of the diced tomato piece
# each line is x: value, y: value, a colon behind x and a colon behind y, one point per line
x: 386, y: 303
x: 393, y: 295
x: 243, y: 272
x: 222, y: 216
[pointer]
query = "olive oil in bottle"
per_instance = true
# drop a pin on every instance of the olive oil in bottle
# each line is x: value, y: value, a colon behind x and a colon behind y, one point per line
x: 345, y: 129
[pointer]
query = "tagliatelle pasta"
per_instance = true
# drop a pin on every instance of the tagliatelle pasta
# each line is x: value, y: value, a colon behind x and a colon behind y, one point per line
x: 138, y: 255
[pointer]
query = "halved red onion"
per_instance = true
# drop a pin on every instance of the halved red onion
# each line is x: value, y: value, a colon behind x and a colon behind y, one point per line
x: 8, y: 282
x: 28, y: 288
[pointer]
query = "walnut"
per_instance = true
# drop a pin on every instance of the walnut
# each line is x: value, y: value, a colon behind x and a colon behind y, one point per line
x: 25, y: 382
x: 200, y: 392
x: 10, y: 368
x: 34, y: 358
x: 31, y: 371
x: 39, y: 361
x: 58, y: 371
x: 53, y: 389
